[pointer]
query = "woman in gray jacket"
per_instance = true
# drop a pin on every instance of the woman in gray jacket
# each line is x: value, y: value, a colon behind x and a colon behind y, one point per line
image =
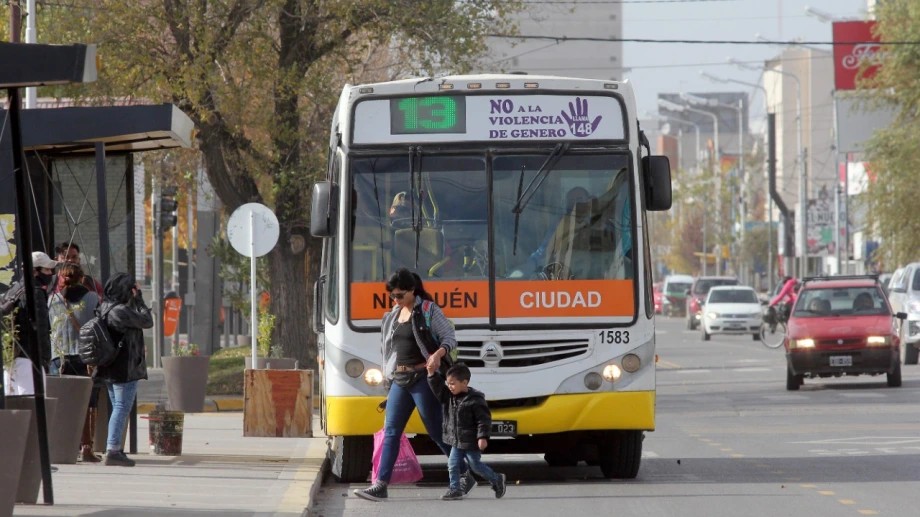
x: 127, y: 316
x: 405, y: 359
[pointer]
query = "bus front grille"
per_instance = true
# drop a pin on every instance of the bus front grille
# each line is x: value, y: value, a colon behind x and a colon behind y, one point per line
x: 519, y: 354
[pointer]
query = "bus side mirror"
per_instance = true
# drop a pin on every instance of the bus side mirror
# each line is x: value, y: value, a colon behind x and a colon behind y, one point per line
x: 657, y: 172
x: 322, y: 214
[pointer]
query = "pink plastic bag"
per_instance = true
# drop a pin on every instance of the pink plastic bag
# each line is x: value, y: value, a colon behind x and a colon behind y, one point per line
x: 406, y: 469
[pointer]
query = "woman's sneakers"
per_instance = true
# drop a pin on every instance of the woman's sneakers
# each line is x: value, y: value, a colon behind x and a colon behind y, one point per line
x: 499, y: 486
x: 118, y: 459
x: 375, y: 492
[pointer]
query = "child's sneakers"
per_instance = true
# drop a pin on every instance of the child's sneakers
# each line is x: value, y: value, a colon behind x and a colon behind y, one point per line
x: 467, y: 482
x: 499, y: 486
x: 453, y: 495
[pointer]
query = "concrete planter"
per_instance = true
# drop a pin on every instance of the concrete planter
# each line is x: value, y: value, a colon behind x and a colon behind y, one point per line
x: 270, y: 363
x: 30, y: 477
x: 186, y: 382
x: 72, y: 392
x: 14, y: 428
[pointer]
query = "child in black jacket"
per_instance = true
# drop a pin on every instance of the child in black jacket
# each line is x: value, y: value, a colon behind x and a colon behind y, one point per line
x: 467, y: 421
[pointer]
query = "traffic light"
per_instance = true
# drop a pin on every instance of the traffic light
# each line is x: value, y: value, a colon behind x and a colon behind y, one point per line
x: 168, y: 206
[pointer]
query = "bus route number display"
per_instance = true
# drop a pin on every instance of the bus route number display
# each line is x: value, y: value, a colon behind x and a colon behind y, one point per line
x: 425, y: 115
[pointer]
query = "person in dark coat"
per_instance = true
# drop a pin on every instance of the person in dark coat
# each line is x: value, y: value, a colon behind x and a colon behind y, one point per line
x: 127, y: 316
x: 14, y: 300
x: 467, y: 424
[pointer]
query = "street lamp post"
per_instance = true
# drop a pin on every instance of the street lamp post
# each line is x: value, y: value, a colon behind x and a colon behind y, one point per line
x: 766, y: 101
x: 712, y: 103
x: 803, y: 195
x: 681, y: 108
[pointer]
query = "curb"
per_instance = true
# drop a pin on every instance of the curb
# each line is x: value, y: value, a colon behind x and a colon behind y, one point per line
x: 210, y: 405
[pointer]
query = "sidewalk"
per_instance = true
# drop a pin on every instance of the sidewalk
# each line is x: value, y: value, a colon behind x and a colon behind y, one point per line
x: 219, y: 473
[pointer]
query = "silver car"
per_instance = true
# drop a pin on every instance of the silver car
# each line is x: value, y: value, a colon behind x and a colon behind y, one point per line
x: 904, y: 296
x: 731, y: 309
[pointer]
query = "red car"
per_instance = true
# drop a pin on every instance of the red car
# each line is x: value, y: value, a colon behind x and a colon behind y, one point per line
x: 841, y: 326
x: 658, y: 296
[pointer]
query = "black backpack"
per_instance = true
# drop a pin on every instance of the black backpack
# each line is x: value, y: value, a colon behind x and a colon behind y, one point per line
x: 95, y: 344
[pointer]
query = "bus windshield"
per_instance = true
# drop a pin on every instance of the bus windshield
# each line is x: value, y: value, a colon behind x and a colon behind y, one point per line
x: 440, y: 216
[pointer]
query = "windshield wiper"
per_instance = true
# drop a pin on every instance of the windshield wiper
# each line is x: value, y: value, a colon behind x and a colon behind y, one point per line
x: 541, y: 175
x: 527, y: 194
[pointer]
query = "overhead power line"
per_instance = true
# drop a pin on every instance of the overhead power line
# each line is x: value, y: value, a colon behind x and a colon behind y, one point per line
x: 794, y: 43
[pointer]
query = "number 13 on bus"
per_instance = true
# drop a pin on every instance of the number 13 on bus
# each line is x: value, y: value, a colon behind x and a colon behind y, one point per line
x: 521, y: 201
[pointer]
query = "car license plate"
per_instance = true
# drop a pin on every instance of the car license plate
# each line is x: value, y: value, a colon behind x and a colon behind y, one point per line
x: 504, y: 428
x: 841, y: 360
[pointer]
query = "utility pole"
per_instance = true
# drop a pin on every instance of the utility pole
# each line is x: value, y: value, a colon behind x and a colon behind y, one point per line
x: 31, y: 37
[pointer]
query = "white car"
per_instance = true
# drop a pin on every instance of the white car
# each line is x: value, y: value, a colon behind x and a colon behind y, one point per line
x: 731, y: 309
x: 904, y: 296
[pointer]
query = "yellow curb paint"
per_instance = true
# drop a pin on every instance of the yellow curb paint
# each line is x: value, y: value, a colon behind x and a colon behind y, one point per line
x: 297, y: 495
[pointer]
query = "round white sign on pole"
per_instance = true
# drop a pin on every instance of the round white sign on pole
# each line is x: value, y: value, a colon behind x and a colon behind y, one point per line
x: 264, y: 234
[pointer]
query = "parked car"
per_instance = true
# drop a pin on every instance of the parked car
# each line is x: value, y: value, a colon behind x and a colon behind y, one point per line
x: 904, y: 295
x: 841, y: 326
x: 731, y: 309
x: 698, y: 292
x: 658, y: 297
x: 675, y: 294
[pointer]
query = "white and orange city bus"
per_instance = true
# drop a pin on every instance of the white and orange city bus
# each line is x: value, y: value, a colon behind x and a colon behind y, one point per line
x: 521, y: 202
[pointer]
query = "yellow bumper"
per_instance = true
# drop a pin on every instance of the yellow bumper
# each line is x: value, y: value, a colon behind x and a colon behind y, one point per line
x: 347, y: 416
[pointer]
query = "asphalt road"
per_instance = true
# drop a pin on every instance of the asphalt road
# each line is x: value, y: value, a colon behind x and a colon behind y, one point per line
x: 730, y: 441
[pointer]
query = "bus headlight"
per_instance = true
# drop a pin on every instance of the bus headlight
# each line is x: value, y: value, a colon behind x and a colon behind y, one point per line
x: 354, y: 368
x: 612, y: 372
x: 631, y: 363
x: 373, y: 376
x: 593, y: 380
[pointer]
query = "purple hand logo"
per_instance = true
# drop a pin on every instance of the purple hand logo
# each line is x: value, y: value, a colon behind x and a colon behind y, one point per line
x: 578, y: 118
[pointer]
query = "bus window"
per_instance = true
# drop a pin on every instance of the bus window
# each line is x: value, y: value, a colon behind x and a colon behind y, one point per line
x: 434, y: 224
x: 577, y: 225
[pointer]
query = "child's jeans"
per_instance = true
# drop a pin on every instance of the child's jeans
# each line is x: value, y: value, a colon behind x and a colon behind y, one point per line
x: 474, y: 458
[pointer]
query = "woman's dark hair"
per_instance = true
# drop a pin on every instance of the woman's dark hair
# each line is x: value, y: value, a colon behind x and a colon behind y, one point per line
x: 408, y: 281
x: 118, y: 288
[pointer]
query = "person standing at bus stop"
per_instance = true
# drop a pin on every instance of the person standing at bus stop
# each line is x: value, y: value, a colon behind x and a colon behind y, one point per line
x: 127, y: 316
x: 405, y: 363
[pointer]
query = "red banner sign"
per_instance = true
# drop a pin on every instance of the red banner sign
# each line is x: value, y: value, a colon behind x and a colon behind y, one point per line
x: 854, y: 43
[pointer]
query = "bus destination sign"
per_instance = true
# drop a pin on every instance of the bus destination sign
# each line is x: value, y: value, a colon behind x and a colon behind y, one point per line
x: 453, y: 118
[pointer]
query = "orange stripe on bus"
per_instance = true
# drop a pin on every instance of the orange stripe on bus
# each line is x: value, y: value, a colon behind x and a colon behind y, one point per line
x: 515, y: 299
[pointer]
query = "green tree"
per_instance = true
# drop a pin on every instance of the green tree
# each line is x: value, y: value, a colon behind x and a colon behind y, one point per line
x: 260, y: 78
x: 894, y: 152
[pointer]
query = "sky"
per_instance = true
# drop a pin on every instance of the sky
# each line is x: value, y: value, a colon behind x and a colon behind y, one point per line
x: 656, y: 68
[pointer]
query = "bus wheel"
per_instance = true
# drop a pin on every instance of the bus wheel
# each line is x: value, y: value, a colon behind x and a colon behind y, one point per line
x: 560, y: 459
x: 351, y: 458
x: 620, y: 453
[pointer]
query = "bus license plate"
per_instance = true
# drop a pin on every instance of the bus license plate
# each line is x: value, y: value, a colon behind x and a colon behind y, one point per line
x: 504, y: 428
x: 841, y: 360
